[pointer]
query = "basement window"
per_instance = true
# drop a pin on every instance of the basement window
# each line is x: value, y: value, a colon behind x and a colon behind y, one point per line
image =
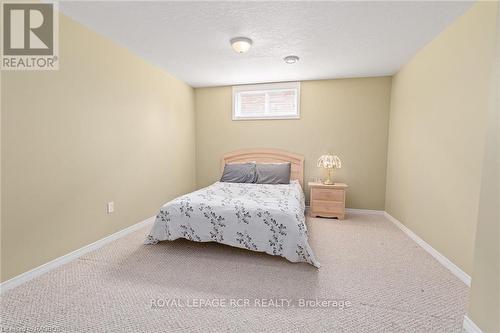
x: 266, y: 101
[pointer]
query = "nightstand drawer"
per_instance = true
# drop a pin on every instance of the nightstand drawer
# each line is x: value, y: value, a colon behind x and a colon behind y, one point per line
x: 327, y: 194
x: 327, y: 206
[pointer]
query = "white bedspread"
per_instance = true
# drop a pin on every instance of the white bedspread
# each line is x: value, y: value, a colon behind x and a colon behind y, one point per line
x: 258, y: 217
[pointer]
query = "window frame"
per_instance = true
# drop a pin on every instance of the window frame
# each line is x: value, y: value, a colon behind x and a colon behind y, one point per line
x: 266, y: 87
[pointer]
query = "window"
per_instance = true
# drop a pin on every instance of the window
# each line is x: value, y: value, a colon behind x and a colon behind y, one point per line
x: 267, y: 101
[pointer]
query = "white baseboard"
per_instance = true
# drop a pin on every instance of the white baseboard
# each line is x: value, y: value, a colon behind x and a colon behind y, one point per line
x: 464, y: 277
x: 364, y: 211
x: 359, y: 211
x: 37, y: 271
x: 460, y: 274
x: 470, y: 326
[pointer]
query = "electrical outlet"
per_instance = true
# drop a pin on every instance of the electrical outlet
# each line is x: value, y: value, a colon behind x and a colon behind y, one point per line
x: 110, y: 207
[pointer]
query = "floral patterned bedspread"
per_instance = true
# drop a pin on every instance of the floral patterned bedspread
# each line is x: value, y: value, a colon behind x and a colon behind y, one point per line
x: 257, y: 217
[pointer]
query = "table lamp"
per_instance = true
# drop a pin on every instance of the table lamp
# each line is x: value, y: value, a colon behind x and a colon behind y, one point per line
x: 329, y: 162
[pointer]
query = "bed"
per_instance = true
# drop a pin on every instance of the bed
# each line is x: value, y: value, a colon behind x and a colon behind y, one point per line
x: 259, y: 217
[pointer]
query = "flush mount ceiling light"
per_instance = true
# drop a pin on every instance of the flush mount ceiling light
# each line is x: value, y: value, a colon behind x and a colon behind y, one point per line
x: 241, y: 44
x: 291, y: 59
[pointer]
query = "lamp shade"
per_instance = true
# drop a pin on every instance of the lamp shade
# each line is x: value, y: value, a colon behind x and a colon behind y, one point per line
x: 329, y: 162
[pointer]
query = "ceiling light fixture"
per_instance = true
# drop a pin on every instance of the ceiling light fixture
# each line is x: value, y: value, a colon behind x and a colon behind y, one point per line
x: 241, y: 44
x: 291, y: 59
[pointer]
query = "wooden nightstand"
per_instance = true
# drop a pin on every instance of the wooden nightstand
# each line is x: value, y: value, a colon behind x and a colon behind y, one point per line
x: 327, y: 200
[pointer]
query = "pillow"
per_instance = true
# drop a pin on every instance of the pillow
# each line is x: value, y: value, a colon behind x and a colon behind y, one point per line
x: 239, y: 173
x: 273, y: 173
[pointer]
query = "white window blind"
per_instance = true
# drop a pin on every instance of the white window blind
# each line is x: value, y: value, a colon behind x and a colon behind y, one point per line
x: 267, y: 101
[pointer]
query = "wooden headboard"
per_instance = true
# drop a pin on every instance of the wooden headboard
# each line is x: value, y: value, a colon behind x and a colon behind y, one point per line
x: 268, y: 156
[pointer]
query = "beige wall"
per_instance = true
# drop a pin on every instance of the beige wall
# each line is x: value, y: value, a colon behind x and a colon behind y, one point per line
x: 348, y: 117
x: 436, y: 137
x: 484, y: 305
x: 106, y: 127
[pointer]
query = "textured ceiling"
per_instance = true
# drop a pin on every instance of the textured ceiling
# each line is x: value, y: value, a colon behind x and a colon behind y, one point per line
x: 333, y: 39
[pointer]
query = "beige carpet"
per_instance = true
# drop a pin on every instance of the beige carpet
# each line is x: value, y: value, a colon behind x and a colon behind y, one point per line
x: 391, y: 283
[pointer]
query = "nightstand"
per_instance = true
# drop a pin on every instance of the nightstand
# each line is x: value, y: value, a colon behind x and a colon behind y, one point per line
x: 327, y: 200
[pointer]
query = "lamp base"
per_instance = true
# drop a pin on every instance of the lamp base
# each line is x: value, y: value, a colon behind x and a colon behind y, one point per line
x: 328, y: 180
